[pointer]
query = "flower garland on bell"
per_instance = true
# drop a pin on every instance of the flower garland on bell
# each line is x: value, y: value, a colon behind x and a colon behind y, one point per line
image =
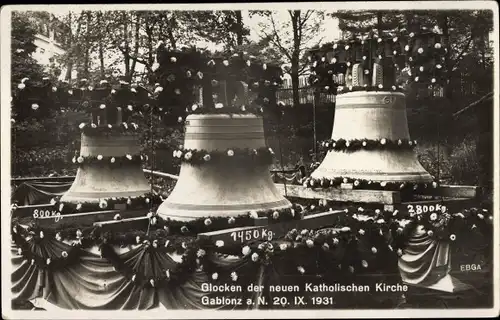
x: 145, y: 200
x: 109, y: 160
x: 367, y: 184
x: 92, y: 129
x: 346, y: 89
x: 354, y: 242
x: 367, y: 144
x: 261, y: 156
x: 219, y: 108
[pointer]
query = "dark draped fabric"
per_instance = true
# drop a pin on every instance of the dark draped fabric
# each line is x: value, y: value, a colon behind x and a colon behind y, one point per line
x: 31, y: 193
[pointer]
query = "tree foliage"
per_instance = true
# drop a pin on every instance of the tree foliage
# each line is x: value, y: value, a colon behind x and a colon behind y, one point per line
x: 22, y: 47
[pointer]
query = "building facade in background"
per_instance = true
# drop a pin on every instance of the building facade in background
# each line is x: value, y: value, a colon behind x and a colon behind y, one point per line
x: 49, y: 40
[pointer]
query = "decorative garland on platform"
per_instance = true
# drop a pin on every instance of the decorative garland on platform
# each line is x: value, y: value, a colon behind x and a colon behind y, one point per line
x: 367, y: 184
x: 263, y: 156
x: 367, y: 144
x: 109, y: 160
x: 142, y: 201
x: 92, y: 129
x: 353, y: 243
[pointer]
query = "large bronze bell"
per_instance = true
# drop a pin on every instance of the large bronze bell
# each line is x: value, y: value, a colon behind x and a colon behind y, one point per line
x: 100, y: 180
x: 217, y: 189
x: 372, y: 115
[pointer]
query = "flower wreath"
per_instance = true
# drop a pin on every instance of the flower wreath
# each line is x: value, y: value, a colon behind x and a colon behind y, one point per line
x: 368, y: 144
x: 366, y: 184
x: 262, y: 156
x: 110, y: 160
x: 92, y: 129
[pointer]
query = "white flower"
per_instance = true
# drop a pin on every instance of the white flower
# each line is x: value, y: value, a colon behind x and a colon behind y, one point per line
x: 400, y: 252
x: 361, y: 231
x: 41, y: 235
x: 208, y: 222
x: 276, y: 215
x: 128, y: 156
x: 102, y: 106
x: 215, y: 276
x: 79, y: 233
x: 480, y: 216
x: 434, y: 184
x: 200, y: 253
x: 283, y: 246
x: 112, y: 160
x: 219, y: 243
x: 133, y: 278
x: 158, y: 89
x: 246, y: 250
x: 364, y: 263
x: 254, y: 214
x: 64, y: 254
x: 225, y: 63
x: 73, y: 160
x: 80, y: 159
x: 173, y: 59
x: 188, y: 155
x: 61, y: 206
x: 433, y: 216
x: 453, y: 237
x: 130, y: 107
x: 374, y: 250
x: 271, y: 151
x: 301, y: 269
x: 255, y: 257
x: 219, y: 105
x: 420, y: 50
x: 19, y: 251
x: 177, y: 91
x: 179, y: 119
x: 117, y: 217
x: 194, y: 107
x: 383, y: 141
x: 93, y: 125
x: 230, y: 220
x: 21, y: 86
x: 152, y: 282
x: 234, y: 276
x: 345, y: 229
x: 249, y: 63
x: 35, y: 106
x: 103, y: 204
x: 110, y: 126
x: 430, y: 233
x: 99, y: 157
x: 113, y: 91
x: 309, y: 243
x: 206, y: 157
x: 58, y: 236
x: 48, y: 261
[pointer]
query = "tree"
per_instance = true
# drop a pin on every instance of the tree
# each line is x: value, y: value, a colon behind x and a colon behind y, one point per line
x: 224, y: 27
x: 292, y: 38
x: 23, y: 46
x: 364, y: 22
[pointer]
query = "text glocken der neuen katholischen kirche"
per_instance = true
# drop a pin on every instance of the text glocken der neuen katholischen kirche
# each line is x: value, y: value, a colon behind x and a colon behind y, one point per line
x: 307, y: 294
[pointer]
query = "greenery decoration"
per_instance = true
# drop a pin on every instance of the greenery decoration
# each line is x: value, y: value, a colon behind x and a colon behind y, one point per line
x: 109, y: 160
x: 261, y: 156
x: 356, y: 240
x: 367, y: 144
x: 418, y: 54
x: 367, y: 184
x: 145, y: 200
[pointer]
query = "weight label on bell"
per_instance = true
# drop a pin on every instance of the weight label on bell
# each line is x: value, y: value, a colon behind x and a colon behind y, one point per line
x: 424, y: 208
x: 37, y: 214
x: 253, y: 234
